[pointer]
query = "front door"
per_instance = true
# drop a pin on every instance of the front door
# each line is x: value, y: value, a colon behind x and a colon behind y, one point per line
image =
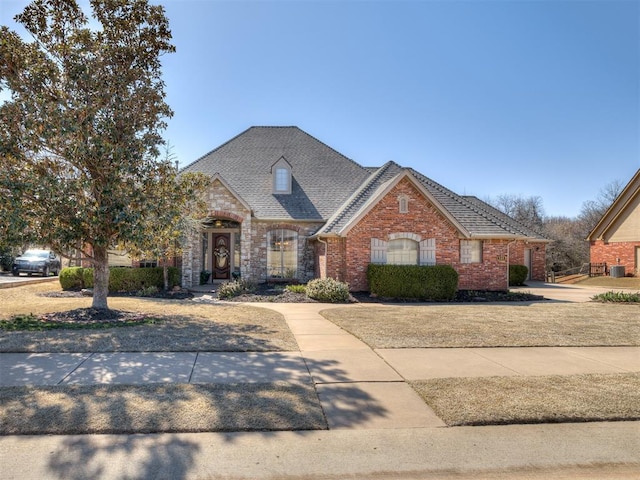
x: 221, y: 256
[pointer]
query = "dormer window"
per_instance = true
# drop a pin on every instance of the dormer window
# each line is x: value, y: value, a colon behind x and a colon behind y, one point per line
x: 281, y: 171
x: 282, y: 180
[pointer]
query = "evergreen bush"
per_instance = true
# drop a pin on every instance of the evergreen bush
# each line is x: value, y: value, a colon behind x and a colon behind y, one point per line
x: 71, y: 278
x: 421, y: 282
x: 121, y: 279
x: 517, y: 274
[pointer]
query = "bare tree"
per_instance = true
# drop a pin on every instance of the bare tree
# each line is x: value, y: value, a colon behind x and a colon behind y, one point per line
x: 526, y: 210
x: 593, y: 210
x: 569, y: 248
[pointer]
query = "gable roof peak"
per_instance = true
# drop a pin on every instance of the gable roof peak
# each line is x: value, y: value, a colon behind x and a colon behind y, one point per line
x: 324, y: 177
x: 281, y: 160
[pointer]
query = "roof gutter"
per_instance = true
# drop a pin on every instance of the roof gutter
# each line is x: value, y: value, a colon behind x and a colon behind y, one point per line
x: 289, y: 220
x: 509, y: 237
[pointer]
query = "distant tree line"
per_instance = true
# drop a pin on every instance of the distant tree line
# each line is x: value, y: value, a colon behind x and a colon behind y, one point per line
x: 569, y: 247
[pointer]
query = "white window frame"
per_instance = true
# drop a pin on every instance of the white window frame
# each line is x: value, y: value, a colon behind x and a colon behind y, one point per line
x: 426, y: 249
x: 281, y: 173
x: 403, y: 255
x: 282, y: 180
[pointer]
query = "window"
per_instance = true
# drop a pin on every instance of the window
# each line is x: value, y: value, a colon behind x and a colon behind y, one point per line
x: 402, y: 251
x: 403, y: 204
x: 281, y: 172
x: 408, y: 249
x: 282, y: 253
x: 470, y: 251
x: 282, y: 180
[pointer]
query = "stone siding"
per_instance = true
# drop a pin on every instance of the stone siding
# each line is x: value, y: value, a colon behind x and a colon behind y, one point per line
x: 306, y: 264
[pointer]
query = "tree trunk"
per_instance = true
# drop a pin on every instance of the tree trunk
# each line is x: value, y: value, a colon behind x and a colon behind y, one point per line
x: 100, y: 277
x: 165, y: 273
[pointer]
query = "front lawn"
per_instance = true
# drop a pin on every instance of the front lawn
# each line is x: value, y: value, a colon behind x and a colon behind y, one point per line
x: 544, y: 399
x: 159, y: 325
x: 86, y: 409
x: 487, y: 325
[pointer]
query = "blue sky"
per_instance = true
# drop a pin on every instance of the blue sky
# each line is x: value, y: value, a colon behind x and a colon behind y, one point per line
x: 532, y: 98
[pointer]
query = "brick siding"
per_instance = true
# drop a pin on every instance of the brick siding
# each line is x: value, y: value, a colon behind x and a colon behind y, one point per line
x: 615, y: 253
x: 347, y: 258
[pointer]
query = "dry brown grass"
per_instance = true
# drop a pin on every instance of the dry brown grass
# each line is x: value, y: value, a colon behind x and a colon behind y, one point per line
x: 65, y: 410
x: 491, y: 325
x: 632, y: 283
x: 547, y: 399
x: 185, y: 326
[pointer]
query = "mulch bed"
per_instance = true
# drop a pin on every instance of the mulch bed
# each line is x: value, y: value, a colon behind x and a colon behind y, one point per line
x: 170, y: 295
x: 268, y: 293
x: 93, y: 315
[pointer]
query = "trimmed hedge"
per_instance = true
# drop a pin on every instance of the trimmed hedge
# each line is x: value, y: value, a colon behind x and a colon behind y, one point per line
x: 517, y: 274
x: 422, y: 282
x: 71, y: 278
x: 121, y: 279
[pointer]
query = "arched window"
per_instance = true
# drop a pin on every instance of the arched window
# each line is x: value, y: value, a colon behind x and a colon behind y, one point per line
x: 282, y: 253
x: 402, y: 251
x: 403, y: 204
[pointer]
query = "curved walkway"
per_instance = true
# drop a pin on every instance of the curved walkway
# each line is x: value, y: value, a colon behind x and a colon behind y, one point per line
x: 371, y: 411
x: 358, y: 387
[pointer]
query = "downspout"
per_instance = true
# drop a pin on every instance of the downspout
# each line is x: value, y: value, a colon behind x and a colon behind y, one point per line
x: 326, y: 252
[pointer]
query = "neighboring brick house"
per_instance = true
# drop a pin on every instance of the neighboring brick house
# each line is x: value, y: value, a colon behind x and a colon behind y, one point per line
x: 615, y: 240
x: 284, y: 206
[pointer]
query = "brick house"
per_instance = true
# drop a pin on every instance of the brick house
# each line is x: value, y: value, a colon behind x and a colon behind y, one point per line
x: 615, y: 240
x: 284, y: 206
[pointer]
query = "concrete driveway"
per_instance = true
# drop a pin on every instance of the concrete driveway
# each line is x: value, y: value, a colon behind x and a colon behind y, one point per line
x: 7, y: 280
x: 561, y: 292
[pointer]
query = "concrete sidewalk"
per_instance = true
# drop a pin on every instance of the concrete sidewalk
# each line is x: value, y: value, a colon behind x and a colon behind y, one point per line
x: 337, y: 363
x: 378, y: 426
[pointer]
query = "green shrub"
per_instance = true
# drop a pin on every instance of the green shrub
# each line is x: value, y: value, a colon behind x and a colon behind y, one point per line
x: 296, y: 288
x: 517, y: 274
x: 234, y: 288
x: 72, y: 278
x: 421, y: 282
x: 617, y: 297
x: 87, y: 277
x: 328, y: 290
x: 121, y: 279
x: 148, y: 291
x: 204, y: 276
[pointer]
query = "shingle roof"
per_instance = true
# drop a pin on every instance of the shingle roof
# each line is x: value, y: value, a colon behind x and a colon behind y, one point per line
x: 327, y: 186
x: 322, y: 178
x: 479, y: 218
x: 472, y: 214
x: 376, y: 180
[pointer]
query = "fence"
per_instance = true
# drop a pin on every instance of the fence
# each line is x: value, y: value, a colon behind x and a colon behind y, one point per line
x: 597, y: 269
